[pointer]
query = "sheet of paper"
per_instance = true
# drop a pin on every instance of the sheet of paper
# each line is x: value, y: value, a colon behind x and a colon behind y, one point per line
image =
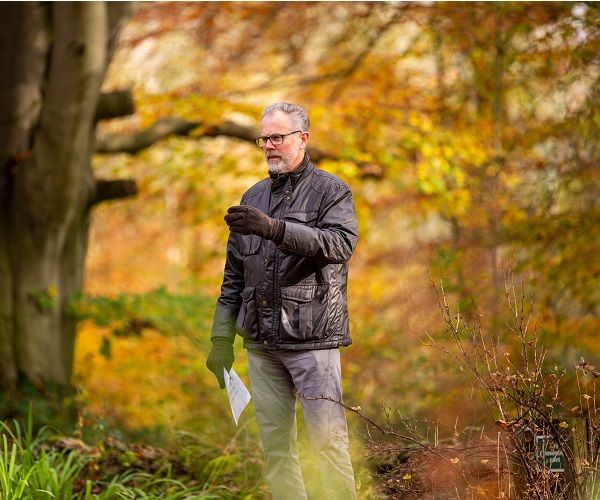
x: 239, y: 396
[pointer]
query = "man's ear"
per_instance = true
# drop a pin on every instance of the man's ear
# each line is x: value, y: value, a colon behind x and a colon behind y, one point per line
x: 305, y: 136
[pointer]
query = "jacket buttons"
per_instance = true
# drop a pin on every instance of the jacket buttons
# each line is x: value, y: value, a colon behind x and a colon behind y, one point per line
x: 265, y: 342
x: 288, y: 198
x: 264, y: 302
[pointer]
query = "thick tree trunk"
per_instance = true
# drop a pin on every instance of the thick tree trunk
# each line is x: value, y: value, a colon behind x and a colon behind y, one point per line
x: 53, y: 57
x: 24, y: 41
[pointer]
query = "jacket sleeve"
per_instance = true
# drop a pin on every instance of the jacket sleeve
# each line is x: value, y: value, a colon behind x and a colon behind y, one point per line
x: 335, y: 235
x: 230, y: 300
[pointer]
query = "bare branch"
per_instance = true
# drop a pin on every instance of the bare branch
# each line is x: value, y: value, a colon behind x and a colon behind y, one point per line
x: 133, y: 143
x: 114, y: 189
x: 114, y: 105
x: 231, y: 129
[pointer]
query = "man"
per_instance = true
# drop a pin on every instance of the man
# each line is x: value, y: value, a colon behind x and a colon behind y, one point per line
x: 284, y: 292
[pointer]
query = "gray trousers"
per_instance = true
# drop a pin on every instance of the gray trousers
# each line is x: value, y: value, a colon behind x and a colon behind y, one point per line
x: 274, y: 375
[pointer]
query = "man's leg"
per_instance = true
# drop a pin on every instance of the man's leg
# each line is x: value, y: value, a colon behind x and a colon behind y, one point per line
x: 317, y: 373
x: 275, y: 409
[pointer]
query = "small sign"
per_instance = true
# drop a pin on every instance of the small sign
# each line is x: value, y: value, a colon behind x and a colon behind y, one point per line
x: 549, y: 454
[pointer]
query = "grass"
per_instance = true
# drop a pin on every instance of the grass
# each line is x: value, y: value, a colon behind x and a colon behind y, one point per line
x: 27, y: 470
x: 42, y: 466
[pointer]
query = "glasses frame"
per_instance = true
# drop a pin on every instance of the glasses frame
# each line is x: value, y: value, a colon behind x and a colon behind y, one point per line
x: 266, y: 138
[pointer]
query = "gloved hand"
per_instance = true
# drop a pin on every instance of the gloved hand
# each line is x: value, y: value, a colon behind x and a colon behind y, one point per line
x: 249, y: 220
x: 221, y: 356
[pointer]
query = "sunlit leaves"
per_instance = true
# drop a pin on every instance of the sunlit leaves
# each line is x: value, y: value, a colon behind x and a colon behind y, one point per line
x: 482, y: 117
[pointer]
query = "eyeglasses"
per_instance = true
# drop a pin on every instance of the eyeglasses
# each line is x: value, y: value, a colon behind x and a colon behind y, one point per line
x: 276, y: 139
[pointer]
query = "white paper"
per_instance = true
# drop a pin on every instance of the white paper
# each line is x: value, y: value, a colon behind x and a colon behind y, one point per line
x: 239, y: 395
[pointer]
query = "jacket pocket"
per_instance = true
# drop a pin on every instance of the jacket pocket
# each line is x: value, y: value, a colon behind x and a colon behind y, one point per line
x: 306, y: 218
x: 246, y: 322
x: 304, y: 313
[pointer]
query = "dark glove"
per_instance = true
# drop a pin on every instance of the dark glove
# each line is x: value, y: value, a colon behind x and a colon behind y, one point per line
x: 249, y: 220
x: 221, y: 356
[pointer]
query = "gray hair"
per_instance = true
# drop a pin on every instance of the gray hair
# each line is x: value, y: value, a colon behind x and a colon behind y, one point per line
x: 298, y: 114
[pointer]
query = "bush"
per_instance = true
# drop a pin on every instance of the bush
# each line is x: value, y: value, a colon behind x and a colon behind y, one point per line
x: 518, y: 391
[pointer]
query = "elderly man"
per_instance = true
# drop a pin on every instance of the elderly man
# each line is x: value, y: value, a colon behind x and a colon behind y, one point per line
x: 284, y: 292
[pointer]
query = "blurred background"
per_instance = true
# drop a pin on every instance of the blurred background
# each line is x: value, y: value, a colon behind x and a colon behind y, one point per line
x: 469, y: 134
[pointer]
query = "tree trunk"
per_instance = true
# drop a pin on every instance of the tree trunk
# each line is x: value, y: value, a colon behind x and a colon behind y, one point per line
x: 53, y: 57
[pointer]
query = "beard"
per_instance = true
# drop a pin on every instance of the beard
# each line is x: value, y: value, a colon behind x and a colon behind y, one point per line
x: 278, y: 167
x: 281, y: 163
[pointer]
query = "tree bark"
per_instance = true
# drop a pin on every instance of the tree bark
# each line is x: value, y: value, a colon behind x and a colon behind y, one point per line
x: 53, y: 57
x: 51, y: 192
x: 24, y: 37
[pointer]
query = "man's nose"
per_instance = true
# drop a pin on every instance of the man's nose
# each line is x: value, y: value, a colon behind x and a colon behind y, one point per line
x: 269, y: 144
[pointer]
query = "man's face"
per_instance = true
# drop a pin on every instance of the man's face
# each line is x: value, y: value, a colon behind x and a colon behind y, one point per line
x: 284, y: 157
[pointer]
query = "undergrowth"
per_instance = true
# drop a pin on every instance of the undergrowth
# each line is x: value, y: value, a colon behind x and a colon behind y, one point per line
x: 49, y: 465
x: 541, y: 447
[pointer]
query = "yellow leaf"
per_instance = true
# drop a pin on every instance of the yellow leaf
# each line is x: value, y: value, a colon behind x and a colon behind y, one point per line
x: 564, y: 425
x: 485, y: 460
x: 406, y: 477
x: 455, y: 460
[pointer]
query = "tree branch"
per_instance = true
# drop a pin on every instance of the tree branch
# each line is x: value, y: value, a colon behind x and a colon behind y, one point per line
x: 114, y: 105
x: 132, y: 143
x: 231, y: 129
x: 113, y: 189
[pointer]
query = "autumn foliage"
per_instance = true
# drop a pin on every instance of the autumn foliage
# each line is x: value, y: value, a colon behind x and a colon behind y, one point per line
x: 468, y: 133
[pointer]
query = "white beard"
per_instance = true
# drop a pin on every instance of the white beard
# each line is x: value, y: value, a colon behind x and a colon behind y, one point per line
x: 278, y: 168
x: 285, y: 162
